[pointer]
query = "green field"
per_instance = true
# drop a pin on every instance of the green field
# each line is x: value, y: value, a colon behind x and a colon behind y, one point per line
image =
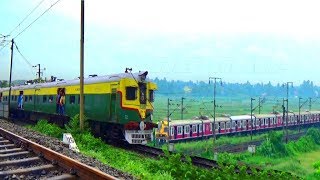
x: 195, y: 106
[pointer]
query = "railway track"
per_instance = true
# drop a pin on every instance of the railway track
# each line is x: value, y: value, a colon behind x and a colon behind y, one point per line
x: 24, y: 159
x: 244, y: 146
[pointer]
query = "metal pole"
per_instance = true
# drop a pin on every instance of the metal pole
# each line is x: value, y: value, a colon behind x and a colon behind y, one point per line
x: 81, y: 66
x: 259, y: 105
x: 39, y: 71
x: 9, y: 100
x: 182, y: 108
x: 299, y: 114
x: 310, y: 103
x: 214, y: 107
x: 287, y: 110
x: 252, y: 99
x: 168, y: 116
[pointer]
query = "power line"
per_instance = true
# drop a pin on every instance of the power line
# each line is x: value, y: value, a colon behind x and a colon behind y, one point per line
x: 22, y: 55
x: 37, y: 18
x: 32, y: 23
x: 26, y: 16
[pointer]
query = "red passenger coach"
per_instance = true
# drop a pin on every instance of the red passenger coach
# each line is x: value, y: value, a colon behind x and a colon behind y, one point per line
x: 203, y: 128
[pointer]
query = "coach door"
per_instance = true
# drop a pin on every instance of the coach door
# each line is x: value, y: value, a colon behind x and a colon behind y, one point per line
x: 36, y: 99
x: 113, y: 98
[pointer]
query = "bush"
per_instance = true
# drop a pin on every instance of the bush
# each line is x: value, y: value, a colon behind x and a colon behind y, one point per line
x: 73, y: 126
x: 48, y: 129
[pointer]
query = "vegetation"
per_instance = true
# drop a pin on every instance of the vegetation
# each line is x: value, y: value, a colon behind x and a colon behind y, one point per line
x: 168, y: 167
x: 205, y: 146
x: 273, y: 154
x: 203, y: 89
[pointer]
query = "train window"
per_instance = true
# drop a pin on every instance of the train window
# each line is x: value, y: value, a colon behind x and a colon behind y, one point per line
x: 179, y: 130
x: 222, y: 125
x: 244, y: 123
x: 50, y: 99
x: 44, y: 99
x: 186, y: 129
x: 210, y: 126
x: 233, y: 124
x: 30, y: 98
x: 151, y: 95
x: 217, y: 126
x: 131, y: 93
x: 200, y: 128
x: 72, y: 99
x: 194, y: 128
x: 228, y: 125
x: 172, y: 131
x: 26, y: 99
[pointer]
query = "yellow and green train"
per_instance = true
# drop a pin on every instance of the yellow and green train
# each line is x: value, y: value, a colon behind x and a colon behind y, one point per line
x: 117, y: 106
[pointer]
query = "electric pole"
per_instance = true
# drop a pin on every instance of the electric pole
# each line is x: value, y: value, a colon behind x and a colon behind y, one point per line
x: 81, y: 66
x: 10, y: 78
x: 300, y: 106
x: 39, y: 73
x: 252, y: 99
x: 182, y: 108
x: 259, y: 105
x: 214, y: 103
x: 287, y: 109
x: 310, y: 103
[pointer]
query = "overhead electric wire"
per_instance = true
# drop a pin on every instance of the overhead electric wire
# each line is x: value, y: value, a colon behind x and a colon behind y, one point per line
x: 37, y: 18
x: 24, y: 58
x: 31, y: 23
x: 26, y: 17
x: 22, y: 55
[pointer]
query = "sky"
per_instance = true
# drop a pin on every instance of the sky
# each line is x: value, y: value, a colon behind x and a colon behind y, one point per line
x: 238, y: 41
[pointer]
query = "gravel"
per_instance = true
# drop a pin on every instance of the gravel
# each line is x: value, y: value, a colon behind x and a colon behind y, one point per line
x: 56, y: 145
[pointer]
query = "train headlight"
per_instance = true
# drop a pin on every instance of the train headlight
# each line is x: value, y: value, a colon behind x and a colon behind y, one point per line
x: 142, y: 125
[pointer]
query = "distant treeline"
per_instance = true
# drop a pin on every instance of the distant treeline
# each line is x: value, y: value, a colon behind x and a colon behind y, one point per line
x: 204, y: 89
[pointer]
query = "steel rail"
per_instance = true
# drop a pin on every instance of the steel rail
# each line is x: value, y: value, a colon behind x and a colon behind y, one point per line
x: 82, y: 171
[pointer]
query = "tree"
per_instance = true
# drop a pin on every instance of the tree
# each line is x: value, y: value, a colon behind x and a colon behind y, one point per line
x: 4, y: 83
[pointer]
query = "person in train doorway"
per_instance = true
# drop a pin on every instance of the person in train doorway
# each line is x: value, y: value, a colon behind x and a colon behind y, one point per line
x: 58, y: 102
x: 20, y: 101
x: 62, y: 103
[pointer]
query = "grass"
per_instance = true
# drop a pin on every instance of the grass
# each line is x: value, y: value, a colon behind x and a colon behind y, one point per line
x: 202, y: 147
x: 169, y: 167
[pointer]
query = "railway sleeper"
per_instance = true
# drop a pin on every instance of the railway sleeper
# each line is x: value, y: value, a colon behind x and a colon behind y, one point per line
x: 6, y: 146
x: 20, y: 161
x: 14, y: 154
x: 6, y: 151
x: 63, y: 177
x: 4, y: 141
x: 32, y: 170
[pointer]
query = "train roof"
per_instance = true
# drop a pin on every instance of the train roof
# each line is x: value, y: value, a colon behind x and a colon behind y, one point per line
x: 197, y: 121
x: 265, y: 115
x: 89, y: 80
x: 240, y: 117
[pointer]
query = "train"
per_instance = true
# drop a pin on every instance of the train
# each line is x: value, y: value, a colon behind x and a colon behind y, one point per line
x: 202, y: 127
x: 117, y: 106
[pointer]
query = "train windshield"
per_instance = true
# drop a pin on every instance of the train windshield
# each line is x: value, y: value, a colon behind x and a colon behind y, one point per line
x: 151, y: 95
x: 143, y: 90
x: 131, y: 93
